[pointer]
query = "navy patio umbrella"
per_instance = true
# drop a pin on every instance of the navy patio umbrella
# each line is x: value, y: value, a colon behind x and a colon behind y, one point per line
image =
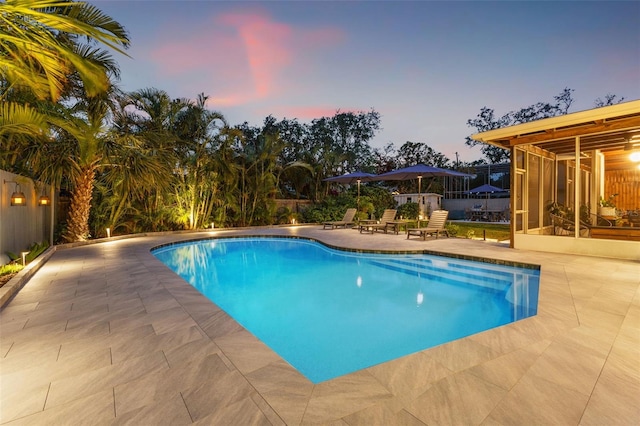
x: 351, y: 178
x: 418, y: 172
x: 486, y: 189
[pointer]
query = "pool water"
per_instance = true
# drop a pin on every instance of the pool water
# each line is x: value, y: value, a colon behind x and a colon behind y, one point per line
x: 329, y: 312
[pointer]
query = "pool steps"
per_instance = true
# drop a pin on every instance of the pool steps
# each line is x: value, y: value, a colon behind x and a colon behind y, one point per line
x: 458, y: 274
x: 494, y: 281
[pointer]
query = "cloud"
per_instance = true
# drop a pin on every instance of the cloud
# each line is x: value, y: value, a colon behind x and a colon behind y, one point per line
x: 267, y: 45
x: 241, y: 56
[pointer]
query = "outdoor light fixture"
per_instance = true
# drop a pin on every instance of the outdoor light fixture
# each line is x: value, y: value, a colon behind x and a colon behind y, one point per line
x: 17, y: 197
x: 629, y: 145
x: 44, y: 200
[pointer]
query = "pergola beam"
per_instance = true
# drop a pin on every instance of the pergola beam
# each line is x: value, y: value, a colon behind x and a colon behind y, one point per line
x: 586, y: 129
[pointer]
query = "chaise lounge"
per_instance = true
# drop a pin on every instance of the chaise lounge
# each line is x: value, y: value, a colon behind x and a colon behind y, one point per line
x: 346, y: 220
x: 387, y: 216
x: 436, y: 225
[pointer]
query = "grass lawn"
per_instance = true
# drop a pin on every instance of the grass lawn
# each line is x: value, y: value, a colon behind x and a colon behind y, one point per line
x: 494, y: 231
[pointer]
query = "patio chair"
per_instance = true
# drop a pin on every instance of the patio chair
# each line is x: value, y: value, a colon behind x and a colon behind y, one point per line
x: 346, y: 220
x: 566, y: 226
x: 436, y: 225
x: 387, y: 216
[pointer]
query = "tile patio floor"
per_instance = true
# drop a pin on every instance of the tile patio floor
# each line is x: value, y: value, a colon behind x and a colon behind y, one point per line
x: 106, y: 334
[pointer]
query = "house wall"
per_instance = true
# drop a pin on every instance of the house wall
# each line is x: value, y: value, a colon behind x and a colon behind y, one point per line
x: 584, y: 246
x: 21, y: 226
x: 625, y: 183
x: 430, y: 201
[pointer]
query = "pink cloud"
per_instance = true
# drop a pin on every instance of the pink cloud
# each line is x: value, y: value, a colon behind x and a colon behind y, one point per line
x: 240, y: 57
x: 267, y: 45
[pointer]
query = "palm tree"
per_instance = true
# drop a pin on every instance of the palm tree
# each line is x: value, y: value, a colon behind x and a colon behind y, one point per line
x: 39, y: 42
x: 50, y: 48
x: 149, y: 116
x: 198, y: 177
x: 133, y: 167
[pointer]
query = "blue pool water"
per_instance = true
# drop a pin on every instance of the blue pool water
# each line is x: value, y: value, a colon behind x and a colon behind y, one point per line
x: 330, y: 312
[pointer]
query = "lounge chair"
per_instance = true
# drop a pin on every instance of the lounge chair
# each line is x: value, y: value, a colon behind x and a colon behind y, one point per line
x: 566, y: 225
x: 436, y: 225
x: 387, y: 216
x: 346, y: 220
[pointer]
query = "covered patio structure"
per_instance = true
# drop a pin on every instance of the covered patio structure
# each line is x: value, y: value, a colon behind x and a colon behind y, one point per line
x: 564, y: 167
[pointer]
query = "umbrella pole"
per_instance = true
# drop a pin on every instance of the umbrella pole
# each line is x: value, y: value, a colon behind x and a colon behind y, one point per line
x: 358, y: 202
x: 419, y: 200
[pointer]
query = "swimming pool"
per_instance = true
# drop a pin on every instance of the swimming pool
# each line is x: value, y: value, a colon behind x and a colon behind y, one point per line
x: 330, y: 312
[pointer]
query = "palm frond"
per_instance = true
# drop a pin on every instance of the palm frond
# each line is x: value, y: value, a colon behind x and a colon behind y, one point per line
x: 20, y: 119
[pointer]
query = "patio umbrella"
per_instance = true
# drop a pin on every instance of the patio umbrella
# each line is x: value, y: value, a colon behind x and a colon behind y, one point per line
x: 487, y: 190
x: 418, y: 172
x: 350, y: 179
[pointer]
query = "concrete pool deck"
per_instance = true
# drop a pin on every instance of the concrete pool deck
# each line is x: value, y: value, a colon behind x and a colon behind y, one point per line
x: 106, y: 334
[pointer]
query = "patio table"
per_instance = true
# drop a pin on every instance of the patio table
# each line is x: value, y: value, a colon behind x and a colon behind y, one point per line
x: 365, y: 224
x: 397, y: 225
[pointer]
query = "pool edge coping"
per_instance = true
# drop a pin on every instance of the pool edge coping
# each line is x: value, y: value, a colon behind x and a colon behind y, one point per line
x: 493, y: 261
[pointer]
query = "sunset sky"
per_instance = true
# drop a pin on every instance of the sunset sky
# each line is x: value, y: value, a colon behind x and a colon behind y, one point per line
x: 427, y: 67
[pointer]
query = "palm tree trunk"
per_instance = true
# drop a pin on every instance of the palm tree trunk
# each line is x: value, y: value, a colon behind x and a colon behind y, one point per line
x: 78, y: 222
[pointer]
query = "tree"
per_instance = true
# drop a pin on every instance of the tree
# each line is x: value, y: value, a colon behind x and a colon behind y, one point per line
x: 340, y: 144
x: 486, y: 120
x: 197, y: 175
x: 412, y: 153
x: 40, y: 45
x: 257, y: 151
x: 608, y: 100
x: 135, y: 173
x: 52, y: 50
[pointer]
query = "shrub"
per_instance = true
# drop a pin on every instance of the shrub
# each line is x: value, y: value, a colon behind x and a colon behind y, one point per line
x: 452, y: 229
x: 11, y: 268
x: 34, y: 250
x: 408, y: 210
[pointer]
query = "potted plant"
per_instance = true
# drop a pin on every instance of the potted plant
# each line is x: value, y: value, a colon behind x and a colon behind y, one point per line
x: 608, y: 206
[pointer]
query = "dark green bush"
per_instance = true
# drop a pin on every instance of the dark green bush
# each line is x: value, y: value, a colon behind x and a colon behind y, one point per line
x: 408, y: 210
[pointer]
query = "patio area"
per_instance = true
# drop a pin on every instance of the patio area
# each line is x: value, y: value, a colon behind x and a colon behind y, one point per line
x: 104, y: 333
